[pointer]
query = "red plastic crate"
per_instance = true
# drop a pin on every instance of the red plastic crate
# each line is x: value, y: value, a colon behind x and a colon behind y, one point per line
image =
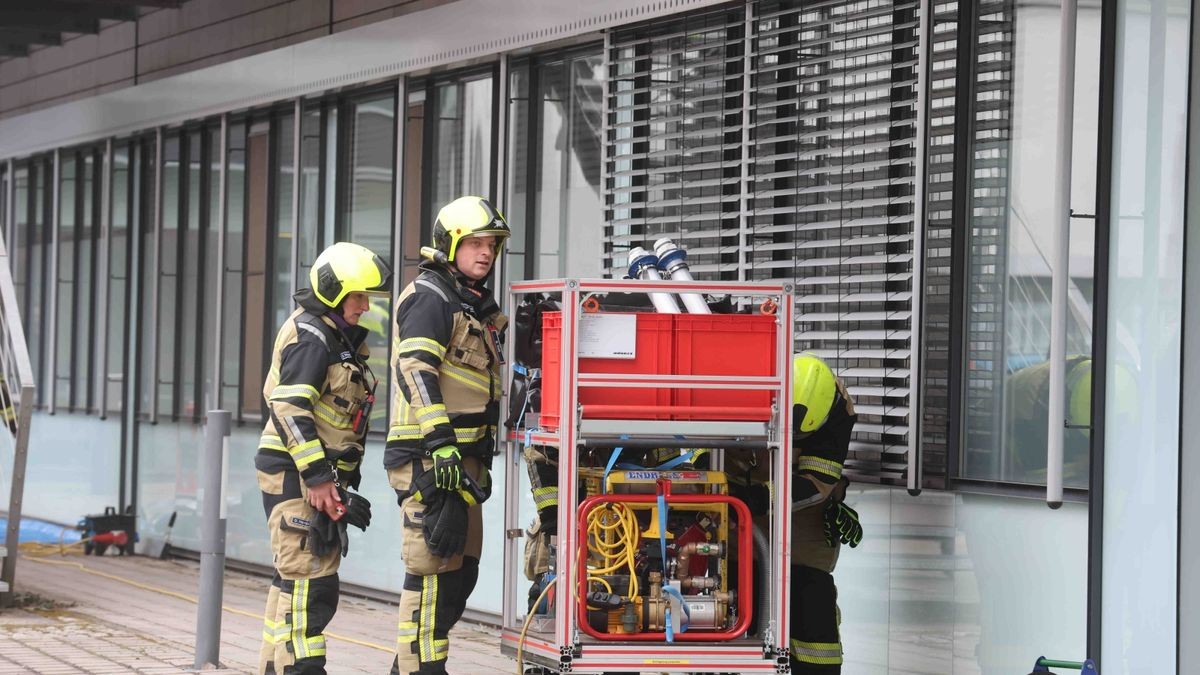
x: 723, y: 344
x: 654, y: 357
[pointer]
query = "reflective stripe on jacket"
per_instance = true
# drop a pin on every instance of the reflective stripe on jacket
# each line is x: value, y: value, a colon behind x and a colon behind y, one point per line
x: 445, y: 369
x: 316, y: 386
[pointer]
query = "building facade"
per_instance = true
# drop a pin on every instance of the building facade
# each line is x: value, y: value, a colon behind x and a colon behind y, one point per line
x: 166, y: 183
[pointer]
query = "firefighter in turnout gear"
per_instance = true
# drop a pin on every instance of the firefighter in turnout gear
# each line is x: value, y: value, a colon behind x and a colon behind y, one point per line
x: 822, y: 420
x: 446, y: 366
x: 319, y: 392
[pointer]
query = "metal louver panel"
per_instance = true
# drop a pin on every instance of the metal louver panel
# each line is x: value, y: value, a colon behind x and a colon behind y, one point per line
x: 831, y: 197
x: 775, y: 139
x: 673, y: 164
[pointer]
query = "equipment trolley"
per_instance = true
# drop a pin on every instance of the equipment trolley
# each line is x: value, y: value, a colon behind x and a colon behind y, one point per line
x: 645, y: 556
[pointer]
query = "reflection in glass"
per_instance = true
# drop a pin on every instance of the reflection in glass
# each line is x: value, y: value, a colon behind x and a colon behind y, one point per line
x: 68, y: 215
x: 19, y: 246
x: 368, y: 216
x: 519, y: 171
x: 190, y: 258
x: 282, y: 288
x: 151, y: 187
x: 311, y: 192
x: 1011, y: 243
x: 209, y: 241
x: 86, y: 230
x: 118, y: 274
x: 463, y: 140
x: 168, y: 274
x: 412, y: 180
x: 235, y: 212
x: 568, y: 187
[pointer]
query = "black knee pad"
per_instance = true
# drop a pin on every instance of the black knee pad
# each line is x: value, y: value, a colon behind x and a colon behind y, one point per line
x: 470, y: 576
x: 463, y: 582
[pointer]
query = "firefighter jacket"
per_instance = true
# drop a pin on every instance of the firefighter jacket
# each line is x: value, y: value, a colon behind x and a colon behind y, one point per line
x: 817, y: 456
x: 445, y: 368
x: 318, y: 393
x: 822, y: 452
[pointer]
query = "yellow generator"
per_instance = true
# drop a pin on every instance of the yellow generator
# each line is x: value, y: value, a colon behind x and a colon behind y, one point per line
x: 658, y: 552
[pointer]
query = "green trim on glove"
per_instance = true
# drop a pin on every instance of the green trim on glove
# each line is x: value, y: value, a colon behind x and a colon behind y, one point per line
x: 447, y: 468
x: 841, y: 524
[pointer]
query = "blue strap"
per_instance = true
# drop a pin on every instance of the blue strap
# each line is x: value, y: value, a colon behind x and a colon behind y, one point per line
x: 687, y: 614
x: 612, y: 461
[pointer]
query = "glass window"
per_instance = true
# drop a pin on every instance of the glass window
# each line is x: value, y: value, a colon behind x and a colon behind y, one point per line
x: 235, y: 219
x: 1011, y: 248
x: 557, y: 149
x: 569, y: 202
x: 312, y: 192
x: 369, y: 200
x: 462, y: 155
x: 70, y: 201
x: 86, y: 231
x: 255, y: 257
x: 174, y: 215
x: 191, y: 258
x: 4, y: 220
x: 123, y: 209
x: 149, y: 186
x: 210, y: 269
x: 19, y: 246
x: 284, y: 152
x: 519, y: 174
x: 41, y: 238
x: 414, y: 229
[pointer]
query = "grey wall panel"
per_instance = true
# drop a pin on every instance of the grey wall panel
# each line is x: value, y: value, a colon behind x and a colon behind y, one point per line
x: 202, y: 36
x: 349, y: 14
x: 441, y: 35
x: 81, y: 67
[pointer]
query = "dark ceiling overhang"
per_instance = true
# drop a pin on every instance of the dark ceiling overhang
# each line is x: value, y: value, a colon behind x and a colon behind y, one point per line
x: 25, y: 23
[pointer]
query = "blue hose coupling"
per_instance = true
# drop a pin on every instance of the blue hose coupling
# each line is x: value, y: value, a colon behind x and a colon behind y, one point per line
x: 670, y: 257
x: 640, y: 260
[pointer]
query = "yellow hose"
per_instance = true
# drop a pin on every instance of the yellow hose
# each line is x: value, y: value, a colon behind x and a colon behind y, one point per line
x: 613, y: 535
x: 525, y: 628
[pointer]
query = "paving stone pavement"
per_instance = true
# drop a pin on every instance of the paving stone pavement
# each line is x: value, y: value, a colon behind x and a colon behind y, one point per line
x: 137, y: 614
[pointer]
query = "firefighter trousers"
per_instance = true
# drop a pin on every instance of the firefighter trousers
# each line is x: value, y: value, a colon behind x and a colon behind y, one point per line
x: 435, y: 590
x: 304, y: 592
x: 816, y: 646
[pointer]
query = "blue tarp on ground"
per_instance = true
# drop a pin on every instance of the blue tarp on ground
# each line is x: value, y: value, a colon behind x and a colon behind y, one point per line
x: 43, y: 532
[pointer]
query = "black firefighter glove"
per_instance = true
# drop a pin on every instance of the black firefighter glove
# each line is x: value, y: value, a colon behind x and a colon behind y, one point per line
x: 476, y: 492
x: 326, y: 535
x: 349, y: 468
x: 355, y: 508
x: 445, y: 524
x: 841, y: 524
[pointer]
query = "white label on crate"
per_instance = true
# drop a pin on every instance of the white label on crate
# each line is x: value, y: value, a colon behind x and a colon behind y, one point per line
x: 608, y: 336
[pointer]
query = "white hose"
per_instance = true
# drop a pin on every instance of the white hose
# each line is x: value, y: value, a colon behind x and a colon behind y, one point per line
x: 643, y: 265
x: 672, y: 261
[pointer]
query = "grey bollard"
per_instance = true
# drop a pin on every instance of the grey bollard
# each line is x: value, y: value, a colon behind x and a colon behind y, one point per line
x: 213, y: 467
